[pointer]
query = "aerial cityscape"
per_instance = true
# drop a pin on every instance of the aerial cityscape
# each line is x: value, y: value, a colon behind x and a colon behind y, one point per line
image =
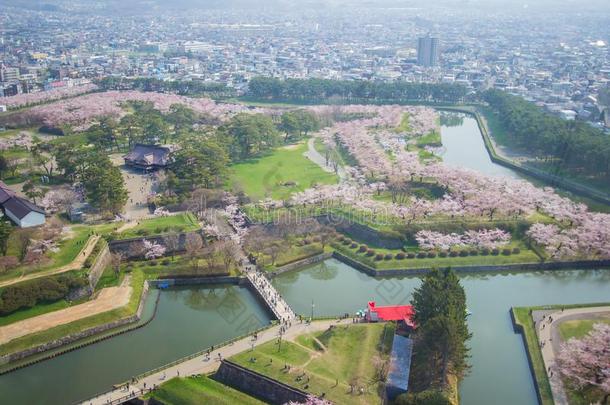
x: 317, y: 202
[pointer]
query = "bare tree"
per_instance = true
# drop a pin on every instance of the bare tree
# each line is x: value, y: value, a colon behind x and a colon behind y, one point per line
x: 274, y: 249
x: 210, y: 255
x: 228, y: 251
x: 172, y: 243
x: 193, y: 245
x: 116, y: 261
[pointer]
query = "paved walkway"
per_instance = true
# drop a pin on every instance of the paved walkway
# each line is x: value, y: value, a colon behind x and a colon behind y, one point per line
x: 547, y: 328
x: 315, y: 156
x: 108, y: 299
x: 205, y: 364
x: 274, y: 300
x: 76, y: 264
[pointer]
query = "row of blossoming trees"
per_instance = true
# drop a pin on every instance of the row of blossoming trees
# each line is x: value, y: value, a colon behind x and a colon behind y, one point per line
x: 384, y: 165
x: 563, y: 228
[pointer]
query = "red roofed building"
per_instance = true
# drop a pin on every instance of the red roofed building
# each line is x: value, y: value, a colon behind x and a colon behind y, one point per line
x: 403, y: 313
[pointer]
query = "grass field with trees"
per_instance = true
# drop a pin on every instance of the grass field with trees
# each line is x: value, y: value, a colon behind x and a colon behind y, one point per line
x: 279, y: 174
x: 338, y: 362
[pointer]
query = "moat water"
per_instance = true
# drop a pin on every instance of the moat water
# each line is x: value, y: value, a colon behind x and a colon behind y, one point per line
x: 500, y: 374
x: 191, y: 319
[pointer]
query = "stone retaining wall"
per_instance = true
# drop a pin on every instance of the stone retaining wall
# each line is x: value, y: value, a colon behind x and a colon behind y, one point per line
x: 196, y: 280
x: 258, y: 385
x: 581, y: 264
x: 301, y: 263
x: 363, y: 233
x: 102, y: 261
x: 130, y: 247
x: 517, y: 328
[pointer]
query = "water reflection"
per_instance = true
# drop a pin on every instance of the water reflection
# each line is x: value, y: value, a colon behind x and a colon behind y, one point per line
x: 497, y: 353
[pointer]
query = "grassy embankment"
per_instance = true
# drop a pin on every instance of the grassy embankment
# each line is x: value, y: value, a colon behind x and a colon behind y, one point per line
x: 137, y: 284
x: 525, y: 255
x: 183, y: 222
x: 331, y: 361
x: 279, y: 174
x: 524, y: 318
x: 200, y: 390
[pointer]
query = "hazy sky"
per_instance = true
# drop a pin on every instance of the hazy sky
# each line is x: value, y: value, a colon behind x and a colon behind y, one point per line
x: 537, y: 6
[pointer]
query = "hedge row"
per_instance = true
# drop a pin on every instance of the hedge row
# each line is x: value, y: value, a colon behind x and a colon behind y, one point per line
x: 46, y: 289
x: 364, y: 249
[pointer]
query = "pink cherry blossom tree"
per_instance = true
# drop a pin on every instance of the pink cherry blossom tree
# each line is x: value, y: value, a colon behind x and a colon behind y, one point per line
x: 586, y: 362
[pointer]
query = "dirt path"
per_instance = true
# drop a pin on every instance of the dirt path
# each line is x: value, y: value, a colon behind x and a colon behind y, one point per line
x: 76, y: 264
x: 547, y: 329
x: 315, y: 156
x: 108, y: 299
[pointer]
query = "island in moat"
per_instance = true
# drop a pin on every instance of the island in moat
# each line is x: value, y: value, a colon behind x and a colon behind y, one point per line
x: 135, y: 201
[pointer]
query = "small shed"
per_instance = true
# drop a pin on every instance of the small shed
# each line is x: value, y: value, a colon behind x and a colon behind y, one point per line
x: 400, y: 367
x: 23, y: 213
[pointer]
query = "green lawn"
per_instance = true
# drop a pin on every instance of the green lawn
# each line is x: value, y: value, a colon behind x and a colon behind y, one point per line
x: 279, y: 174
x: 331, y: 359
x: 39, y: 309
x: 68, y: 250
x: 578, y: 328
x: 432, y: 139
x: 184, y: 222
x: 200, y: 390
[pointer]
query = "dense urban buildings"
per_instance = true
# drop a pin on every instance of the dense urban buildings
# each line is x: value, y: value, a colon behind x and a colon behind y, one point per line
x: 556, y: 58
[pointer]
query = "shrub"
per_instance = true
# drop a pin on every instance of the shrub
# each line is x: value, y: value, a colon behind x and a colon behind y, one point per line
x: 453, y: 253
x: 410, y: 255
x: 463, y: 253
x: 516, y: 251
x: 506, y: 251
x: 45, y: 289
x: 340, y: 238
x: 347, y: 241
x: 431, y: 255
x: 354, y: 245
x: 400, y: 256
x: 363, y: 248
x: 473, y: 252
x: 422, y: 255
x: 495, y: 251
x: 388, y: 256
x: 306, y: 241
x: 316, y: 238
x: 8, y: 262
x: 485, y: 252
x: 158, y: 230
x: 165, y: 262
x: 152, y: 263
x: 442, y: 254
x: 370, y: 252
x: 379, y: 256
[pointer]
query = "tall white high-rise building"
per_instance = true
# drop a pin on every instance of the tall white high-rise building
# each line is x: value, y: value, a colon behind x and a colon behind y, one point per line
x: 427, y: 51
